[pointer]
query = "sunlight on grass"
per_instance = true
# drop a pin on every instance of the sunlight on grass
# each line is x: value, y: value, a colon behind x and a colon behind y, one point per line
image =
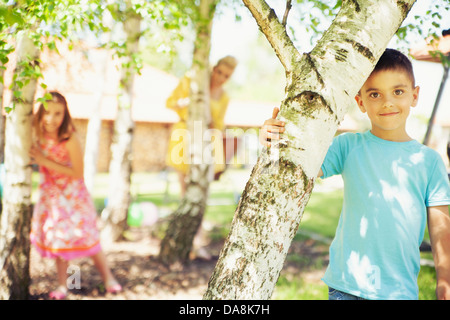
x: 298, y: 289
x: 427, y: 283
x: 427, y: 279
x: 322, y: 213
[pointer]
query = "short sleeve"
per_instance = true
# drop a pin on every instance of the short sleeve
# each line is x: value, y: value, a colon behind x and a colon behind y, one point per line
x: 181, y: 91
x: 333, y: 163
x: 438, y: 189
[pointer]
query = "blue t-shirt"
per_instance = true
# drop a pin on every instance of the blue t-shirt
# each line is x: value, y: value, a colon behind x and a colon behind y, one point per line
x: 387, y: 188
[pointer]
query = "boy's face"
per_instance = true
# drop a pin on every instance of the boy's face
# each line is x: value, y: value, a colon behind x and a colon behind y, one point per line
x: 387, y: 96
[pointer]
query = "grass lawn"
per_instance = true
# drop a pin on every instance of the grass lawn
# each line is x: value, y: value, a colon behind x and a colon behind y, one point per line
x: 319, y: 221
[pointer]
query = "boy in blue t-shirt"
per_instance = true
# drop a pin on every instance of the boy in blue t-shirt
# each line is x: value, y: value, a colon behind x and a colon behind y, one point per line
x: 393, y: 187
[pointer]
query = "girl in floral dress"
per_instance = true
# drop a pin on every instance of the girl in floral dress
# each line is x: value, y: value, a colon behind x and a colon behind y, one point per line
x: 64, y: 226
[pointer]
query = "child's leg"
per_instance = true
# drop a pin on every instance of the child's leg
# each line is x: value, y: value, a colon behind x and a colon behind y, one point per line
x: 61, y: 290
x: 101, y: 264
x: 182, y: 180
x: 61, y: 267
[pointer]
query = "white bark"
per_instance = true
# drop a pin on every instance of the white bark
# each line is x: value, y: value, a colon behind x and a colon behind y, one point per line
x: 99, y: 60
x: 185, y: 221
x: 119, y: 198
x: 2, y: 121
x: 16, y: 215
x: 320, y: 87
x: 199, y: 91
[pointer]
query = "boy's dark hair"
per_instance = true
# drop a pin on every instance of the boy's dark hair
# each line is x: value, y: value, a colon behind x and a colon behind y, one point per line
x: 393, y: 59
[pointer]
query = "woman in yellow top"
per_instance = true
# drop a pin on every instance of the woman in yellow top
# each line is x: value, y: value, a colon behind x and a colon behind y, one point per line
x: 179, y: 101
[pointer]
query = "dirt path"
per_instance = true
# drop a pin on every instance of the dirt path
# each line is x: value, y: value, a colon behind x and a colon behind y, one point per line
x: 136, y: 268
x: 143, y: 278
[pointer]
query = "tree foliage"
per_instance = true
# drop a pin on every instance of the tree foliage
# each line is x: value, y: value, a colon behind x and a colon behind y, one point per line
x: 48, y: 21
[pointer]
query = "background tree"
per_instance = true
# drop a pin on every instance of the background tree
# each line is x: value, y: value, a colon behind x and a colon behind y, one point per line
x: 62, y: 19
x: 186, y: 220
x: 115, y: 213
x: 16, y: 214
x: 99, y: 58
x: 33, y: 24
x: 320, y: 85
x: 5, y: 49
x: 132, y: 15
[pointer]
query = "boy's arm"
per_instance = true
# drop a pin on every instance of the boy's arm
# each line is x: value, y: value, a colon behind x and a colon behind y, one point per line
x: 179, y: 98
x: 439, y: 230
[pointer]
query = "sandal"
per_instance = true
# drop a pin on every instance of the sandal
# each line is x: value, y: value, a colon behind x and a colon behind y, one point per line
x: 114, y: 287
x: 59, y: 294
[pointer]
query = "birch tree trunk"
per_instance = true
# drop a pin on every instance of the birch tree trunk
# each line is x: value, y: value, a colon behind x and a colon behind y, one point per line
x: 320, y: 86
x: 16, y: 216
x: 2, y: 119
x: 99, y: 60
x: 115, y: 213
x: 2, y: 133
x: 186, y: 220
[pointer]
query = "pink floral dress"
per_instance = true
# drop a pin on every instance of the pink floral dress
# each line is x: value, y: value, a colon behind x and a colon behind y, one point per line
x: 64, y: 217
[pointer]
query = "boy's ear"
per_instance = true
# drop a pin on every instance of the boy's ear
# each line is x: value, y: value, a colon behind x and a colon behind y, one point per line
x: 360, y: 103
x: 415, y: 96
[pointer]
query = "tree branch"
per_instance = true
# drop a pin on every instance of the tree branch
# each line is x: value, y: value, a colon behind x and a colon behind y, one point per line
x: 275, y: 32
x: 286, y: 12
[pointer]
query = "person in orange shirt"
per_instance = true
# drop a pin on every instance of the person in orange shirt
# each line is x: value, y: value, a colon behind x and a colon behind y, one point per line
x: 178, y: 101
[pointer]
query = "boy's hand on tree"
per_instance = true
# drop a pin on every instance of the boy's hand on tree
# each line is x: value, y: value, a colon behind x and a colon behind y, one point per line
x: 271, y: 129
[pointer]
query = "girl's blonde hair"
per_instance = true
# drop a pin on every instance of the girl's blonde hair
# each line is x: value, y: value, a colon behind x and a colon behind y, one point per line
x: 66, y: 129
x: 230, y: 61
